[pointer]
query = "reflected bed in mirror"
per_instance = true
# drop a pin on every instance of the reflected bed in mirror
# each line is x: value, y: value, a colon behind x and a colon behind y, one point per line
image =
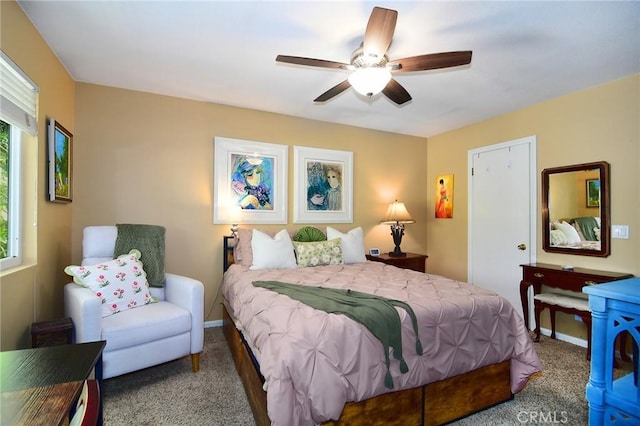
x: 575, y: 213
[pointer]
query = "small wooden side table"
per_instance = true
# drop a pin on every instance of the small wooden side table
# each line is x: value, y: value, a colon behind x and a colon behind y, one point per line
x: 52, y: 332
x: 412, y: 261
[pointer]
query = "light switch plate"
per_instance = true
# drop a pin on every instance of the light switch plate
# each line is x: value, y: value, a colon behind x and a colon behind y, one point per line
x: 620, y: 231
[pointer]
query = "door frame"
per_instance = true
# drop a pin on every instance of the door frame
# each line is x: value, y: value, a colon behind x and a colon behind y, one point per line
x: 531, y: 141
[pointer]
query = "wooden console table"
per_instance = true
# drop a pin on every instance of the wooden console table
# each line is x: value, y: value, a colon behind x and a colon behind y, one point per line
x: 39, y: 386
x: 539, y: 274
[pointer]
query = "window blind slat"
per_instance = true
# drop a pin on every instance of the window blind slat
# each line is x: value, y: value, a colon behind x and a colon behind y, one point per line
x: 18, y: 96
x: 24, y: 99
x: 14, y: 115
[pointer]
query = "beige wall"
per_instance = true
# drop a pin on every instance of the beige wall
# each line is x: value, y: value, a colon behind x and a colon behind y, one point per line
x: 148, y: 158
x: 598, y: 124
x: 34, y: 292
x: 143, y: 158
x: 568, y: 195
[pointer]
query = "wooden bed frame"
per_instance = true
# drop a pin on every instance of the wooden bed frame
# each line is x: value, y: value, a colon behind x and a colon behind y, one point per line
x: 433, y: 404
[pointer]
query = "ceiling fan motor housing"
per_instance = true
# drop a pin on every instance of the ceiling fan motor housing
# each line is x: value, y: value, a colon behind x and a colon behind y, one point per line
x: 360, y: 60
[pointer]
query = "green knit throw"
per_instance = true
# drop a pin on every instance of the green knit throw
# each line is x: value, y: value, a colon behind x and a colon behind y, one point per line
x: 149, y: 240
x: 377, y: 314
x: 587, y: 225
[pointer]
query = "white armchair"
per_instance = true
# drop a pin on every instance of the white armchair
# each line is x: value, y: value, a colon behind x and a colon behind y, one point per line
x: 144, y: 336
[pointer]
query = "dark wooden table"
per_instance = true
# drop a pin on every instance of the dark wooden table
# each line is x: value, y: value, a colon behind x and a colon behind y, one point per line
x: 39, y: 386
x: 413, y: 261
x: 539, y: 274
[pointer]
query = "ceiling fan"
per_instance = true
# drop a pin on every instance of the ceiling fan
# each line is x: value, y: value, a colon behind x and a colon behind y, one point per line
x: 370, y: 66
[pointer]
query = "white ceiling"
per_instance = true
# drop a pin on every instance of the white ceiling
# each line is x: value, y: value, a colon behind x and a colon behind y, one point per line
x: 224, y: 52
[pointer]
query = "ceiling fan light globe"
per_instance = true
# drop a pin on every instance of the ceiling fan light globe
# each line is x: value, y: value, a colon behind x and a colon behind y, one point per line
x: 369, y: 81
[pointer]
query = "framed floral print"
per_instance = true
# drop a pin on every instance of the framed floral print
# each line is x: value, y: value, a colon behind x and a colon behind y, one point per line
x: 250, y: 182
x: 322, y: 186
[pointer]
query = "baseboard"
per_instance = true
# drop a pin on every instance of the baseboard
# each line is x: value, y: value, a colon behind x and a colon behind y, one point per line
x: 565, y: 337
x: 211, y: 324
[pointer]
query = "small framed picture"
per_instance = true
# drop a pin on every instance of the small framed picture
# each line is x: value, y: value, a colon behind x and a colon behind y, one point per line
x: 374, y: 252
x: 593, y: 192
x: 60, y: 162
x: 444, y: 197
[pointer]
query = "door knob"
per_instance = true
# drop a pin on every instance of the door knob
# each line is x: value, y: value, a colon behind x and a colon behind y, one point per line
x: 522, y: 246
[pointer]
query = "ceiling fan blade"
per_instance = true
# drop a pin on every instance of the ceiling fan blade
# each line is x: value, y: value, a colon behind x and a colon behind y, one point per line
x: 396, y: 92
x: 431, y: 62
x: 298, y: 60
x: 380, y: 28
x: 334, y: 91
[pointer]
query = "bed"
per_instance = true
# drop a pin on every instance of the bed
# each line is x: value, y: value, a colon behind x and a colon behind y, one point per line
x: 300, y: 365
x: 576, y: 233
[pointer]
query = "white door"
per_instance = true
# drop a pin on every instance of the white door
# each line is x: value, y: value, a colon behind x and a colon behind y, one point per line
x: 502, y: 216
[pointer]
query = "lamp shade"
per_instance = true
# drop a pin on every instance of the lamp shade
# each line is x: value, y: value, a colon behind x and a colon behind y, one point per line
x: 397, y: 213
x: 369, y: 81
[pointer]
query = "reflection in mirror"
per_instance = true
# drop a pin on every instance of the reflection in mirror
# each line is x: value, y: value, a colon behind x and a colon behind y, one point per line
x: 576, y: 209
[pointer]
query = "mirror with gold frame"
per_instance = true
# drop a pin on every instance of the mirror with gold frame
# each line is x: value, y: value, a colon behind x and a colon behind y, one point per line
x: 575, y: 209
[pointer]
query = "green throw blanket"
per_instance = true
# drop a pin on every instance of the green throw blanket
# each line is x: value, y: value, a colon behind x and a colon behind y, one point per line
x: 149, y: 240
x: 376, y: 313
x: 587, y: 226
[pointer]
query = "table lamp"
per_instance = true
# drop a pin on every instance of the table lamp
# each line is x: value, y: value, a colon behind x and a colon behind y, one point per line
x: 397, y: 215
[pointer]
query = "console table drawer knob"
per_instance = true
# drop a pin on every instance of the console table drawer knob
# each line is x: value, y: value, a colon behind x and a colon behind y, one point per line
x: 538, y: 275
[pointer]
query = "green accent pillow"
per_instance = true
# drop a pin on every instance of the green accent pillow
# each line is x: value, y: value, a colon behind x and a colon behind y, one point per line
x: 309, y: 234
x: 318, y: 253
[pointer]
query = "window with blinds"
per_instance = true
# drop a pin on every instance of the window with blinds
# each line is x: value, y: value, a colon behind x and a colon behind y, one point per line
x: 18, y: 112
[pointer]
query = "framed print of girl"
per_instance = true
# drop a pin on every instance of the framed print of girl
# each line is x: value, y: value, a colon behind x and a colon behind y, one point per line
x: 444, y: 197
x: 323, y: 185
x: 249, y: 182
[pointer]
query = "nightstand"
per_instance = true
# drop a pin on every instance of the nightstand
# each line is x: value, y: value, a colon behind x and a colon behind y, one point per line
x: 410, y: 261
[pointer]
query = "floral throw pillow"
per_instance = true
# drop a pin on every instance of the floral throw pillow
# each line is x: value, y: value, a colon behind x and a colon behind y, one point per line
x: 121, y: 284
x: 318, y: 253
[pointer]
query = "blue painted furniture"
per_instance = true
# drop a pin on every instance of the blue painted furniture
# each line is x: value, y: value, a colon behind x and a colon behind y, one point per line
x: 615, y: 307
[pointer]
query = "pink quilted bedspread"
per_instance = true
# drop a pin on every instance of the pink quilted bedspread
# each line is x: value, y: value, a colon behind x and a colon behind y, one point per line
x: 314, y: 362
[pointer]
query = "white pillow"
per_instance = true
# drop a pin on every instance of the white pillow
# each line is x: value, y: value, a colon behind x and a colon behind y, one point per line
x: 352, y: 244
x: 569, y: 231
x: 272, y: 253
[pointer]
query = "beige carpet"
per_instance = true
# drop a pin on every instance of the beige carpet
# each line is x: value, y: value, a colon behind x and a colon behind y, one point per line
x: 170, y: 394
